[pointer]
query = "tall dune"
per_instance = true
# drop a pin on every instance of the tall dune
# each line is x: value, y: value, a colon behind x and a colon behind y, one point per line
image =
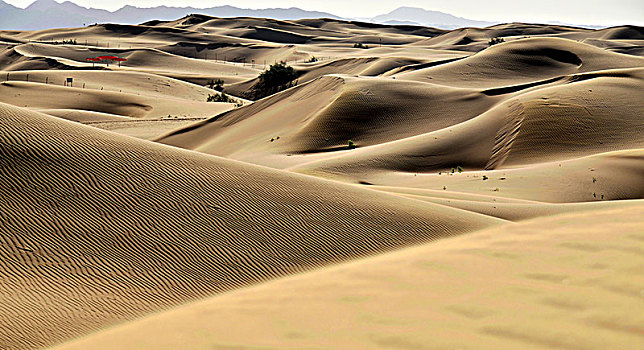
x: 99, y: 228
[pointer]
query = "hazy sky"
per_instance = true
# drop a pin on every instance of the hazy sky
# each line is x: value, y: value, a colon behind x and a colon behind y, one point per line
x: 602, y: 12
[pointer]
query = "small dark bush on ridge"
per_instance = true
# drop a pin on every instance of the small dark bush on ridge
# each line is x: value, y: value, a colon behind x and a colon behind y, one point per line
x: 495, y: 41
x: 223, y: 98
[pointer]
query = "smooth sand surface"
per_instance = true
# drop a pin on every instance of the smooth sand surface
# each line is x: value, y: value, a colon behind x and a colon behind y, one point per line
x: 491, y: 196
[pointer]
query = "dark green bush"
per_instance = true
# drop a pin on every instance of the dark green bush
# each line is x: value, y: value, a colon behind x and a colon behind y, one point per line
x: 495, y: 41
x: 278, y: 77
x: 217, y: 85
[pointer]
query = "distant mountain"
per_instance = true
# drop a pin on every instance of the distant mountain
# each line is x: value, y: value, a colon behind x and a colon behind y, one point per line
x: 44, y: 14
x: 428, y: 18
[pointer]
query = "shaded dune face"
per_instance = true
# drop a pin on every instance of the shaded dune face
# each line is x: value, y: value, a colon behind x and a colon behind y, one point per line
x: 422, y: 127
x: 98, y: 228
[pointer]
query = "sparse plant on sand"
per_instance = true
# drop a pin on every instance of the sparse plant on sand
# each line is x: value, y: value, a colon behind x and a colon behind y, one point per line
x: 459, y: 169
x: 360, y: 46
x: 351, y: 144
x: 495, y: 41
x: 66, y: 42
x: 222, y: 97
x: 312, y: 59
x: 485, y: 177
x: 453, y: 171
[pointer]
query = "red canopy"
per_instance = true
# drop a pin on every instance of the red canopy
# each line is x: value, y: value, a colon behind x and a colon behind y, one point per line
x: 107, y: 57
x: 120, y: 59
x: 93, y: 59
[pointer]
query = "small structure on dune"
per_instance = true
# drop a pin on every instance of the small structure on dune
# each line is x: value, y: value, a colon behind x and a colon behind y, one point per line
x: 107, y: 60
x: 119, y: 60
x: 93, y: 60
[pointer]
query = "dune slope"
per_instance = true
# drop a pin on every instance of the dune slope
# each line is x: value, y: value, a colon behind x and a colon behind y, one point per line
x: 570, y: 286
x: 98, y: 228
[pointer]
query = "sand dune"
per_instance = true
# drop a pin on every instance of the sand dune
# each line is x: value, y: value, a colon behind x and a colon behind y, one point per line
x: 345, y: 180
x: 572, y: 286
x: 622, y: 171
x: 523, y: 61
x: 348, y: 109
x: 436, y: 129
x: 30, y: 95
x: 144, y: 226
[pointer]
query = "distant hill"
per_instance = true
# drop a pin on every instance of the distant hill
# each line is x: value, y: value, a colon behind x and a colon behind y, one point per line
x: 43, y: 14
x: 428, y: 18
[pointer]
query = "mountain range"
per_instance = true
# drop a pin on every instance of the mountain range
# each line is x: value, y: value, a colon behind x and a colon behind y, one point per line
x: 419, y: 16
x: 44, y: 14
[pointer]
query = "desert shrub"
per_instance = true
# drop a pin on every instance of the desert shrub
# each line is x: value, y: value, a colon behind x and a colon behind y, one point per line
x: 459, y: 169
x: 453, y: 170
x: 351, y: 144
x: 217, y: 85
x: 222, y: 97
x: 485, y: 178
x: 360, y: 46
x: 312, y: 59
x: 277, y: 77
x: 495, y: 41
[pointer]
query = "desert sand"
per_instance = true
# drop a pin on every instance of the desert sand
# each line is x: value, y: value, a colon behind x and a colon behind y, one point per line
x: 430, y: 191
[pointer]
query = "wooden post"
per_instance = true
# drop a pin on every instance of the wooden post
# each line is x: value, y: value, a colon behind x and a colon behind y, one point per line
x: 47, y: 80
x: 27, y: 78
